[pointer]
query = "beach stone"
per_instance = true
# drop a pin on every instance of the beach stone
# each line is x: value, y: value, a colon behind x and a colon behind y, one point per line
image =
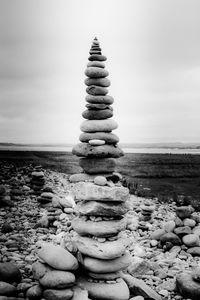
x: 57, y: 279
x: 106, y: 209
x: 57, y: 257
x: 104, y: 276
x: 34, y: 292
x: 181, y: 231
x: 170, y: 238
x: 108, y: 137
x: 96, y: 142
x: 169, y: 226
x: 81, y: 177
x: 6, y: 289
x: 191, y: 240
x: 96, y: 90
x: 100, y: 180
x: 6, y: 228
x: 100, y: 229
x: 9, y: 272
x: 184, y: 211
x: 91, y: 114
x: 89, y: 191
x: 95, y: 72
x: 99, y: 99
x: 98, y: 106
x: 97, y: 57
x: 137, y: 298
x: 95, y: 63
x: 178, y: 222
x: 101, y: 266
x: 104, y: 151
x: 106, y: 250
x: 196, y: 274
x: 99, y: 125
x: 156, y: 235
x: 102, y: 291
x: 79, y: 294
x: 39, y: 270
x: 188, y: 287
x: 194, y: 251
x: 104, y: 82
x: 189, y: 222
x: 196, y: 230
x: 52, y: 294
x: 139, y: 288
x: 97, y: 165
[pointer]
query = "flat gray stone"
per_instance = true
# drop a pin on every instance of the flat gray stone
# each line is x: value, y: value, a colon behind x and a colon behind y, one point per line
x: 97, y: 57
x: 99, y: 125
x: 95, y: 72
x: 99, y: 99
x: 6, y: 289
x: 104, y: 151
x: 104, y: 82
x: 64, y: 294
x: 94, y: 63
x: 96, y: 90
x: 108, y: 137
x: 57, y: 279
x: 97, y: 165
x: 91, y: 114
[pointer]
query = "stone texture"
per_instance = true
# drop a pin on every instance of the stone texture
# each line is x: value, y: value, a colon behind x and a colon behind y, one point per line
x: 92, y: 114
x: 89, y: 191
x: 156, y: 235
x: 34, y: 292
x: 104, y: 276
x: 99, y: 125
x: 101, y: 228
x: 96, y: 142
x: 104, y: 82
x: 106, y: 250
x: 94, y: 63
x: 6, y: 289
x: 191, y: 240
x: 97, y: 166
x: 57, y: 257
x: 195, y: 251
x: 98, y: 106
x: 57, y: 279
x: 9, y: 272
x: 196, y: 274
x: 170, y: 238
x: 107, y: 266
x: 188, y: 287
x: 96, y: 90
x: 183, y: 230
x: 79, y: 294
x: 95, y: 72
x: 100, y: 180
x: 99, y: 99
x: 184, y: 211
x: 97, y: 57
x: 102, y: 291
x: 106, y: 209
x: 104, y: 151
x: 64, y: 294
x: 39, y: 270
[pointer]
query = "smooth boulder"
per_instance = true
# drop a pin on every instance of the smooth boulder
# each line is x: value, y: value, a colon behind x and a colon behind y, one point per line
x: 97, y: 165
x: 188, y: 287
x: 96, y: 90
x: 64, y: 294
x: 99, y: 125
x: 94, y: 63
x: 95, y: 72
x: 104, y: 151
x: 57, y: 279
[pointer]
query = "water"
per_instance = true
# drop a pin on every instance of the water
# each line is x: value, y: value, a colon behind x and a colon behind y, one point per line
x: 126, y: 150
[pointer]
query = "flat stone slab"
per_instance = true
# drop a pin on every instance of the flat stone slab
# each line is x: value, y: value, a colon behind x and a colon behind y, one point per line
x: 104, y: 151
x: 102, y: 291
x: 108, y: 137
x: 99, y: 99
x: 102, y: 209
x: 107, y: 250
x: 99, y: 125
x: 97, y: 165
x: 107, y: 266
x: 100, y: 228
x: 90, y: 191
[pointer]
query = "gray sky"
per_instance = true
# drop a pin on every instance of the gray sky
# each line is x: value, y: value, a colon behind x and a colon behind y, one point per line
x: 153, y: 51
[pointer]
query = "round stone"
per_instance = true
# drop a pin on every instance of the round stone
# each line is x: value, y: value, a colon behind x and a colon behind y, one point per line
x: 34, y: 292
x: 169, y: 226
x: 188, y: 287
x: 156, y: 235
x: 97, y: 57
x: 7, y: 289
x: 100, y: 180
x: 191, y: 240
x: 9, y: 272
x: 64, y: 294
x: 57, y: 279
x: 96, y: 142
x: 95, y: 72
x: 170, y: 238
x: 104, y: 151
x: 99, y: 125
x: 108, y: 137
x: 95, y: 63
x: 194, y: 251
x: 184, y: 211
x: 104, y: 82
x: 104, y: 276
x: 99, y: 99
x: 98, y: 106
x: 189, y: 222
x: 183, y: 230
x: 96, y: 90
x: 97, y: 114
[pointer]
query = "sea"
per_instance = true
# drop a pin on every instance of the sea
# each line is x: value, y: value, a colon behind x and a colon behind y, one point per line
x: 126, y: 150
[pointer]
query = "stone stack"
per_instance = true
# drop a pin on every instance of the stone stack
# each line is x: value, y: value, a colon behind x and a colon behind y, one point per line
x: 101, y: 198
x: 37, y: 180
x: 4, y: 198
x: 55, y: 272
x: 147, y: 209
x: 45, y: 199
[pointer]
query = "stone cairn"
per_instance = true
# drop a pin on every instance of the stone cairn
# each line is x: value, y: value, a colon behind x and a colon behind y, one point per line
x: 101, y: 199
x: 37, y: 180
x: 147, y: 209
x: 184, y: 231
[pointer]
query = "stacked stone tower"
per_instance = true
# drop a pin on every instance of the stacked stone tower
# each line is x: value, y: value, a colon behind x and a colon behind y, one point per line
x: 101, y: 199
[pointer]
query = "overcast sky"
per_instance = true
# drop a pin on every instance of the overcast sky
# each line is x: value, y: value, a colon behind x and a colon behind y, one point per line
x: 153, y: 57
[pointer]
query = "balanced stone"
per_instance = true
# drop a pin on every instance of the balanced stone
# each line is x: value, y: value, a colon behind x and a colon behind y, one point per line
x: 57, y: 257
x: 96, y: 90
x: 184, y: 211
x: 99, y: 99
x: 101, y: 291
x: 104, y: 151
x: 107, y: 266
x: 107, y: 209
x: 101, y: 228
x: 100, y: 180
x: 9, y: 272
x: 57, y: 279
x: 89, y: 191
x: 104, y: 276
x: 104, y: 82
x: 91, y: 114
x: 95, y: 63
x: 51, y: 294
x: 98, y: 106
x: 96, y: 142
x: 183, y: 230
x: 106, y: 250
x: 97, y: 57
x: 99, y: 125
x: 95, y: 72
x: 97, y: 166
x: 108, y: 137
x: 39, y: 270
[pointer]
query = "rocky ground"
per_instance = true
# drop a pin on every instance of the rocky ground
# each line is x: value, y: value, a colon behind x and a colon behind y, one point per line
x: 24, y: 224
